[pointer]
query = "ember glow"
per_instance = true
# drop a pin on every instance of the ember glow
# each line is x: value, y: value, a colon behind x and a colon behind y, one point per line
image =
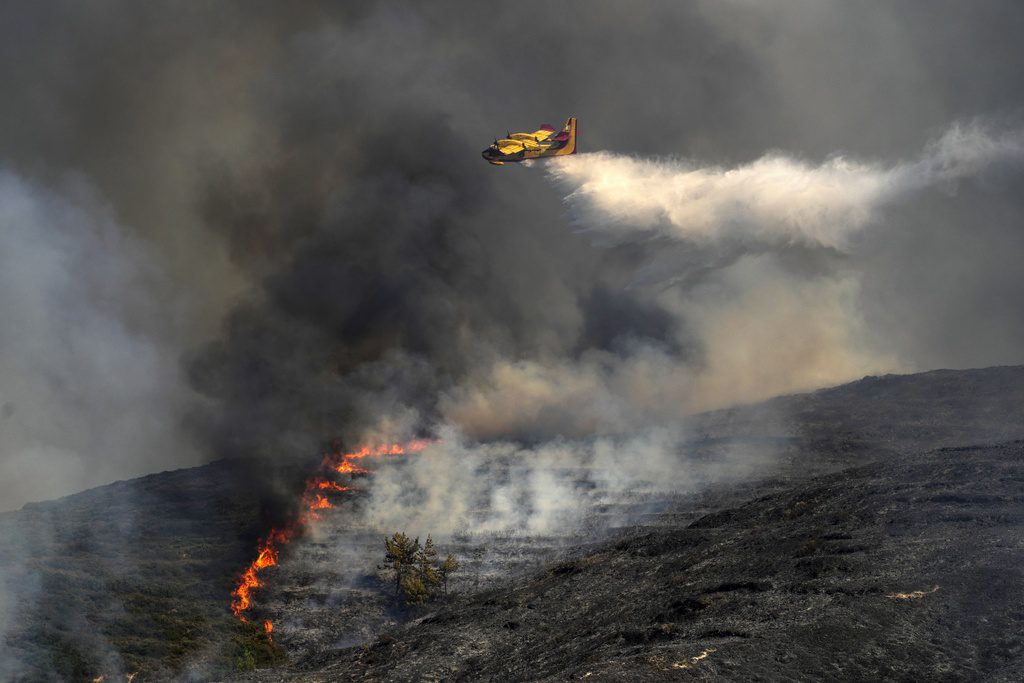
x: 912, y: 595
x: 314, y: 499
x: 693, y: 660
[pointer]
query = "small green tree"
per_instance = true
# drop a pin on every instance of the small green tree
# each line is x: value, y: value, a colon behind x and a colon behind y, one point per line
x: 417, y: 571
x: 414, y: 590
x: 447, y: 568
x: 426, y: 565
x: 400, y: 554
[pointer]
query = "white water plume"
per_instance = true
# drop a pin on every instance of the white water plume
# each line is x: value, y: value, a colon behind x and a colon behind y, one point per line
x: 775, y: 200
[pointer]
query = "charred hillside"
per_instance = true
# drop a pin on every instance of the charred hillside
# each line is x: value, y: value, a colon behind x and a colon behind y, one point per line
x: 902, y: 570
x: 773, y: 573
x: 127, y: 577
x: 898, y: 413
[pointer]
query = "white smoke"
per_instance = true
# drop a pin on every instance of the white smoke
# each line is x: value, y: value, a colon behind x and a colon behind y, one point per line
x: 775, y: 200
x: 89, y: 384
x: 460, y: 486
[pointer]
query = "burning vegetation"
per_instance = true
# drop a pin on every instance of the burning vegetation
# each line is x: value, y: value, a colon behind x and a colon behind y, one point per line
x: 315, y: 498
x: 266, y: 557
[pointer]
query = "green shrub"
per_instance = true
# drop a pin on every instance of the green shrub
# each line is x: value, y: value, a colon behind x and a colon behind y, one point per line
x: 418, y: 572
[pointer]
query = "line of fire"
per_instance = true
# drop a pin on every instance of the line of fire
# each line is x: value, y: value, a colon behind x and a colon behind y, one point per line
x: 315, y: 497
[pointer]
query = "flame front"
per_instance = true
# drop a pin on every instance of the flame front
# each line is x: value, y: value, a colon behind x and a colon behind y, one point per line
x: 319, y: 503
x: 314, y: 499
x: 267, y: 557
x: 345, y: 462
x: 325, y: 485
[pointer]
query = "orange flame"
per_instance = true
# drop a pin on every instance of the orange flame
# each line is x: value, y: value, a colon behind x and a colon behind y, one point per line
x: 325, y: 485
x: 267, y: 557
x: 319, y: 503
x: 348, y: 468
x: 345, y: 462
x: 313, y: 500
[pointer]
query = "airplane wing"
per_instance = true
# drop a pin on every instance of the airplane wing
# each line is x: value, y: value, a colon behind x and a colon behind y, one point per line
x: 545, y: 131
x: 539, y: 135
x: 509, y: 146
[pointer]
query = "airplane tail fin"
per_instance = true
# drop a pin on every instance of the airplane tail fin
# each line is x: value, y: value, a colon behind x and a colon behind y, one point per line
x: 570, y: 128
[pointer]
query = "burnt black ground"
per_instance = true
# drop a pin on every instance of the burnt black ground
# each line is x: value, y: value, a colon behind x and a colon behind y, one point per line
x: 791, y: 577
x: 785, y: 576
x: 803, y: 584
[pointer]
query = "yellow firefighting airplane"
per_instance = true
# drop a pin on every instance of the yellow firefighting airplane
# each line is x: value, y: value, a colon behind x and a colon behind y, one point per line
x: 543, y: 142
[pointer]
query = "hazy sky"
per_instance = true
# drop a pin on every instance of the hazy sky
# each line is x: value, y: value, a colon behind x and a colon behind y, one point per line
x: 239, y: 228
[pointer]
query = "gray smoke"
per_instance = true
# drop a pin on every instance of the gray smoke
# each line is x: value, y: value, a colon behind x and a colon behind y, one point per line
x: 310, y: 191
x: 288, y: 235
x: 89, y: 386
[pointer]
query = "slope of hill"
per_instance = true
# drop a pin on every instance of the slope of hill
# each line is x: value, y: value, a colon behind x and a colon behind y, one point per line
x: 134, y: 577
x: 902, y: 570
x: 127, y: 577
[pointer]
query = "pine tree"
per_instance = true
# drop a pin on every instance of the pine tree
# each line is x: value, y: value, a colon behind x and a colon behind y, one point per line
x: 414, y: 590
x: 400, y: 555
x: 447, y: 568
x: 417, y: 570
x: 426, y: 561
